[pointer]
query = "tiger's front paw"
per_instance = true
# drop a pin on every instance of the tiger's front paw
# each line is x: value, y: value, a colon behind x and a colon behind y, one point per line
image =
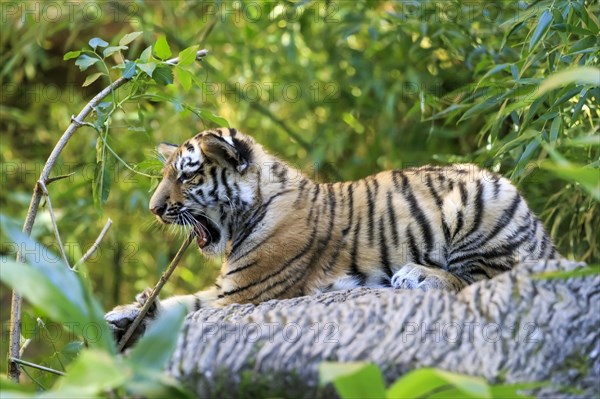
x: 121, y: 317
x: 412, y: 276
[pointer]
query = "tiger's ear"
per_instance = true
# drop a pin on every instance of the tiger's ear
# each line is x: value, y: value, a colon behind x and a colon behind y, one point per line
x: 166, y: 150
x: 219, y: 150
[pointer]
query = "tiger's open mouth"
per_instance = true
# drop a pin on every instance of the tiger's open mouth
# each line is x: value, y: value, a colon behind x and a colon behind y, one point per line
x: 205, y: 231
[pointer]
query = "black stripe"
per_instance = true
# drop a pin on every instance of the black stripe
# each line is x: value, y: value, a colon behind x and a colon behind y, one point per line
x: 392, y: 215
x: 354, y: 269
x: 459, y: 223
x: 478, y: 205
x: 463, y: 193
x: 440, y: 204
x: 239, y: 269
x: 350, y: 209
x: 370, y: 212
x: 395, y: 174
x: 313, y: 202
x: 417, y: 212
x: 383, y: 250
x: 496, y: 186
x: 301, y: 187
x: 414, y: 250
x: 213, y: 175
x: 225, y: 183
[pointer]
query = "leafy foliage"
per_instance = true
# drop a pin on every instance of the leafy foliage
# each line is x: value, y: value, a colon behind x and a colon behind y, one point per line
x: 364, y: 380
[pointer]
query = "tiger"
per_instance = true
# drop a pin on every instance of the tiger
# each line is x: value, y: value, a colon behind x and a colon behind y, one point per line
x: 284, y: 235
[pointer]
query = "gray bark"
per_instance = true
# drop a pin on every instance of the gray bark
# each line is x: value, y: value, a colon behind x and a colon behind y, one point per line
x: 511, y: 329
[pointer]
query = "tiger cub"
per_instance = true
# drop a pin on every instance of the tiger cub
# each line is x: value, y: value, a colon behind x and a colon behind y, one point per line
x: 284, y: 235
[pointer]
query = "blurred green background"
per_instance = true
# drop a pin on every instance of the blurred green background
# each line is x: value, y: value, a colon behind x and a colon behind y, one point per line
x: 341, y: 88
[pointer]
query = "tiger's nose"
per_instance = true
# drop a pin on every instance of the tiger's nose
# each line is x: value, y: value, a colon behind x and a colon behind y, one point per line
x: 158, y: 210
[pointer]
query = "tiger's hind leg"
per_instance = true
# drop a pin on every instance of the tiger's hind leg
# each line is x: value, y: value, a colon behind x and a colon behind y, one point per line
x: 412, y: 276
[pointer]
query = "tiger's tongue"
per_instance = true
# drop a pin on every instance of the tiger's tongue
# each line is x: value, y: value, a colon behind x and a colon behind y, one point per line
x: 201, y: 236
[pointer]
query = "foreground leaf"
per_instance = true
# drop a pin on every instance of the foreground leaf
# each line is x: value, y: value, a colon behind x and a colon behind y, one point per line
x: 421, y: 382
x: 353, y: 380
x: 91, y: 374
x: 157, y: 344
x: 579, y: 75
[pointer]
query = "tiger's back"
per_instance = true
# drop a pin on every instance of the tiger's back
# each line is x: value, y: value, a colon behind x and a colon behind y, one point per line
x: 460, y: 219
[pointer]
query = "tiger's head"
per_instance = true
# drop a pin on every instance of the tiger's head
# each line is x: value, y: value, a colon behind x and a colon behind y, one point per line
x: 207, y: 183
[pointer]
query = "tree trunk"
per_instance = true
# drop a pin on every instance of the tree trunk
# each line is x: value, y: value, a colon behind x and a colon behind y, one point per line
x: 513, y: 328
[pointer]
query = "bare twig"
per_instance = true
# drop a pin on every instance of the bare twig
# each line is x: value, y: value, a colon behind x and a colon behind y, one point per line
x: 163, y: 279
x: 76, y: 122
x: 35, y: 366
x: 53, y: 219
x: 56, y: 178
x: 95, y: 244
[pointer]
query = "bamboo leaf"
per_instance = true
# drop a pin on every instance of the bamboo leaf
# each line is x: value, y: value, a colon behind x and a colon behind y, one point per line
x: 541, y: 29
x: 585, y: 75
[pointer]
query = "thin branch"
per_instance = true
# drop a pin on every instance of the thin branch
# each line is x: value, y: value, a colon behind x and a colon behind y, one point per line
x: 95, y: 245
x: 35, y: 366
x: 76, y: 122
x: 56, y: 178
x: 39, y: 384
x: 163, y: 279
x: 54, y: 225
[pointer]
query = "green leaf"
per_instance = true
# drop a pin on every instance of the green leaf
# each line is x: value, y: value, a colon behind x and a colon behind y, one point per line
x: 590, y: 270
x: 85, y: 61
x: 148, y: 68
x: 93, y: 373
x: 184, y: 77
x: 57, y: 291
x: 103, y: 175
x: 541, y: 28
x: 12, y: 389
x: 129, y: 69
x: 111, y: 50
x: 480, y: 108
x: 92, y: 78
x: 97, y: 42
x: 353, y: 380
x: 161, y: 48
x: 422, y: 382
x: 157, y: 344
x: 128, y: 38
x: 71, y: 55
x: 150, y: 165
x: 583, y: 141
x: 219, y: 120
x: 188, y: 56
x: 146, y: 55
x: 578, y: 75
x: 163, y: 75
x: 555, y: 129
x: 588, y: 178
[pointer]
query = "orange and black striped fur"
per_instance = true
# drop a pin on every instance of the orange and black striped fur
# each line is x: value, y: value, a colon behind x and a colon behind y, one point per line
x: 284, y: 235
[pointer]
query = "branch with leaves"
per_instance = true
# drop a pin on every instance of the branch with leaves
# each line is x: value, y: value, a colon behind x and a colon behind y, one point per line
x: 153, y: 64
